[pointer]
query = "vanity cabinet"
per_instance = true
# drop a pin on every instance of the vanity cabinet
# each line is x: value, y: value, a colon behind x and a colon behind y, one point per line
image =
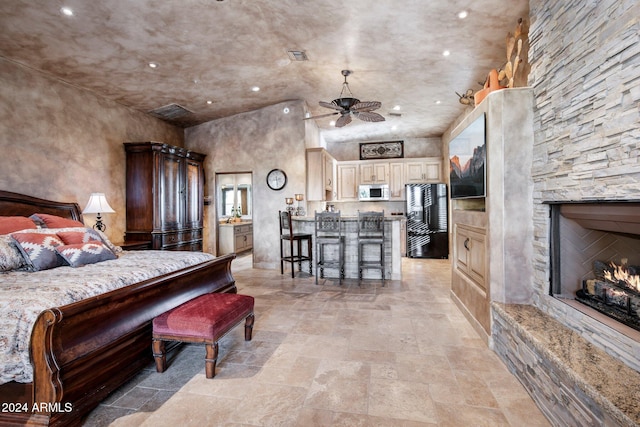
x: 165, y: 194
x: 374, y: 173
x: 234, y: 238
x: 347, y: 181
x: 320, y: 175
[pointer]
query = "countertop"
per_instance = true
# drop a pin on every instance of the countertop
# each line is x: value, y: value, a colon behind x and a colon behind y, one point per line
x: 348, y: 218
x: 235, y: 224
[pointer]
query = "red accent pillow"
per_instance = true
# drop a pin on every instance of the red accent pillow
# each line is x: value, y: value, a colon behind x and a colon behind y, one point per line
x: 53, y: 221
x: 81, y: 254
x: 10, y: 224
x: 78, y: 236
x: 39, y: 250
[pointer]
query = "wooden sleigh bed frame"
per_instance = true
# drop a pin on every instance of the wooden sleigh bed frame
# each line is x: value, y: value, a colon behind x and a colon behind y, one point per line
x: 83, y: 351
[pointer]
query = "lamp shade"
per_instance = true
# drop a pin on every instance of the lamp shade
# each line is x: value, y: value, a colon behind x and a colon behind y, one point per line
x: 98, y: 204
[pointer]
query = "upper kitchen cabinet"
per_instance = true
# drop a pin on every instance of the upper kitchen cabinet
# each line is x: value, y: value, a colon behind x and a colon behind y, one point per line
x: 321, y: 171
x: 347, y: 181
x: 374, y: 173
x: 428, y: 169
x: 396, y: 181
x: 165, y: 188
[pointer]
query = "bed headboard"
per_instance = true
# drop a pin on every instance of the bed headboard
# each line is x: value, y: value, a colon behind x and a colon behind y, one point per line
x: 15, y: 204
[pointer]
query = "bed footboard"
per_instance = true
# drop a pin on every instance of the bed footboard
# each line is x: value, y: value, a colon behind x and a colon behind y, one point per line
x: 83, y: 351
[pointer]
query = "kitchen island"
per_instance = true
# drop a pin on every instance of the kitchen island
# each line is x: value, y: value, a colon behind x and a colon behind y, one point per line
x: 393, y: 266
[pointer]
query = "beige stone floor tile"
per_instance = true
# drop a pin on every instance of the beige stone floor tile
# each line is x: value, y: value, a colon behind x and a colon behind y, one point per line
x: 401, y: 400
x: 456, y: 415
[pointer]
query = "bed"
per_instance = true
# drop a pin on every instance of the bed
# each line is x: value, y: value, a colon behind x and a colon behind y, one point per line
x: 86, y: 347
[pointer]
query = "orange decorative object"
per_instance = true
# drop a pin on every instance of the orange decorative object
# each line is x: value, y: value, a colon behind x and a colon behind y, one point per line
x: 492, y: 83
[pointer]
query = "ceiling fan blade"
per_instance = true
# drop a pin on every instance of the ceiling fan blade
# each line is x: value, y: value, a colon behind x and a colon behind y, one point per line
x: 330, y: 105
x: 369, y: 116
x: 366, y: 106
x: 345, y: 119
x: 321, y: 116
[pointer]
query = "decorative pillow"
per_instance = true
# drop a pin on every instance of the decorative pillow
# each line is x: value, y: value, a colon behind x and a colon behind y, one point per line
x: 10, y: 256
x: 10, y: 224
x: 39, y: 250
x: 80, y: 254
x: 53, y: 221
x: 72, y: 236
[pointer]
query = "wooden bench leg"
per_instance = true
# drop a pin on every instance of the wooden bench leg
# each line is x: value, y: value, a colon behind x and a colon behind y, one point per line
x: 211, y: 359
x: 159, y: 354
x: 248, y: 327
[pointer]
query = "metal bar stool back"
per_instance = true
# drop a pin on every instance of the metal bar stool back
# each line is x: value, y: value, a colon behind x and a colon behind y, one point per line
x: 371, y: 232
x: 294, y: 242
x: 328, y: 231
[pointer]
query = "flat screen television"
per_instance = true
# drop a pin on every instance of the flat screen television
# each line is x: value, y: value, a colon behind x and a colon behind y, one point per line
x: 467, y: 158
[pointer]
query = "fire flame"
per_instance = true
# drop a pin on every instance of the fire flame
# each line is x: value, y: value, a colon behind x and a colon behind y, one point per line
x: 621, y: 275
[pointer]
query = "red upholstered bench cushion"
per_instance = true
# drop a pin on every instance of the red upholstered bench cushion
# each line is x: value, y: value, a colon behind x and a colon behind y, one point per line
x: 206, y: 316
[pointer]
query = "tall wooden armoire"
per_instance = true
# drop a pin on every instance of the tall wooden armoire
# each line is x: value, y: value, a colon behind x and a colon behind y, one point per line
x: 165, y: 191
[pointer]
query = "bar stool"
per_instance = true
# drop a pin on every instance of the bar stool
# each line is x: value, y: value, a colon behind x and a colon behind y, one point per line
x: 287, y: 235
x: 328, y: 231
x: 370, y: 232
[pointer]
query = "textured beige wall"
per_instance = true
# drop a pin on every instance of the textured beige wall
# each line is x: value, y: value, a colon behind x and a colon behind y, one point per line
x: 62, y: 143
x: 255, y: 142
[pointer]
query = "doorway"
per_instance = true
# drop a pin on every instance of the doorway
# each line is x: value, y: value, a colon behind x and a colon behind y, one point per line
x: 234, y: 212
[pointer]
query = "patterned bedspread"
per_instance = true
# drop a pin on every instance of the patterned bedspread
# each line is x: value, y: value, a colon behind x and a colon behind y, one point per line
x: 24, y: 295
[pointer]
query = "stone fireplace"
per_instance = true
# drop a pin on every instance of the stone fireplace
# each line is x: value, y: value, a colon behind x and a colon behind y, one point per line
x: 595, y: 261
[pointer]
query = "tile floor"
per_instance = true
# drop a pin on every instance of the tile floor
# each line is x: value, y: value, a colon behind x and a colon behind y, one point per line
x: 329, y: 355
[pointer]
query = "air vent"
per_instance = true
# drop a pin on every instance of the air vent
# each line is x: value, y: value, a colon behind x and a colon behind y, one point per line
x: 170, y: 112
x: 298, y: 55
x: 394, y: 114
x: 175, y: 114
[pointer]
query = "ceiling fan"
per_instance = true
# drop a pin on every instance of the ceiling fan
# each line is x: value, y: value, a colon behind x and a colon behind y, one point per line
x: 348, y: 106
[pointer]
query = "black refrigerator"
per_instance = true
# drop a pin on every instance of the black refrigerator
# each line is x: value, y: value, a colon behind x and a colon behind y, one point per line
x: 427, y: 229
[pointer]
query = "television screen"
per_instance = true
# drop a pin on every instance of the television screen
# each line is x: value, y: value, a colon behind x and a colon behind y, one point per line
x: 467, y: 157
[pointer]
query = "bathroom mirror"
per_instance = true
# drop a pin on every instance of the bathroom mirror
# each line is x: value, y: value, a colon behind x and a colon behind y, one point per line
x: 234, y: 195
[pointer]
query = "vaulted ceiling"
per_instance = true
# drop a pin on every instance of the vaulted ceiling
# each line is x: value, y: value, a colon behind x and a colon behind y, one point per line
x: 210, y: 54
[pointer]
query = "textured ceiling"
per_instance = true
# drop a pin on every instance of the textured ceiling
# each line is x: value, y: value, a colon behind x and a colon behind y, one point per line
x: 218, y: 50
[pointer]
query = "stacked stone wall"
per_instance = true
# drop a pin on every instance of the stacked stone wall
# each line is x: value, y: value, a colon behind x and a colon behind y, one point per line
x: 585, y: 73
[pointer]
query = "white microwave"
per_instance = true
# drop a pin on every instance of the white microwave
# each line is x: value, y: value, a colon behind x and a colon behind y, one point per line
x: 373, y: 192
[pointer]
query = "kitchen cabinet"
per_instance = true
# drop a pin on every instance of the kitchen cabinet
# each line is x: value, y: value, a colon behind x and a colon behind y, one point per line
x: 423, y: 170
x: 470, y: 253
x: 396, y: 181
x: 347, y: 181
x: 320, y: 175
x: 374, y: 173
x: 234, y: 238
x: 165, y: 196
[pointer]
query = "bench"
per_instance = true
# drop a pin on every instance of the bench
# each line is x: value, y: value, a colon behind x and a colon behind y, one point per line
x: 204, y: 319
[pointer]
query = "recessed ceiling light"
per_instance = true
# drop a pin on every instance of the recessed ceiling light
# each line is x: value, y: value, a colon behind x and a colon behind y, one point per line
x: 66, y: 11
x: 209, y: 102
x: 255, y: 89
x: 394, y: 127
x: 397, y: 108
x: 438, y: 102
x: 153, y: 64
x: 286, y: 110
x: 463, y: 14
x: 446, y: 53
x: 332, y: 123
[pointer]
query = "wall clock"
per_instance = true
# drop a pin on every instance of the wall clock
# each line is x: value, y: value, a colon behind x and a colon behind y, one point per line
x: 276, y: 179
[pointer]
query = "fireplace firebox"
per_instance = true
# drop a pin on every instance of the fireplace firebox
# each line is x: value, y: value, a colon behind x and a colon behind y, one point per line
x: 595, y: 257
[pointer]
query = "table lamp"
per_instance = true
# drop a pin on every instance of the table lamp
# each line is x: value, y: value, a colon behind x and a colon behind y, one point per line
x: 98, y: 205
